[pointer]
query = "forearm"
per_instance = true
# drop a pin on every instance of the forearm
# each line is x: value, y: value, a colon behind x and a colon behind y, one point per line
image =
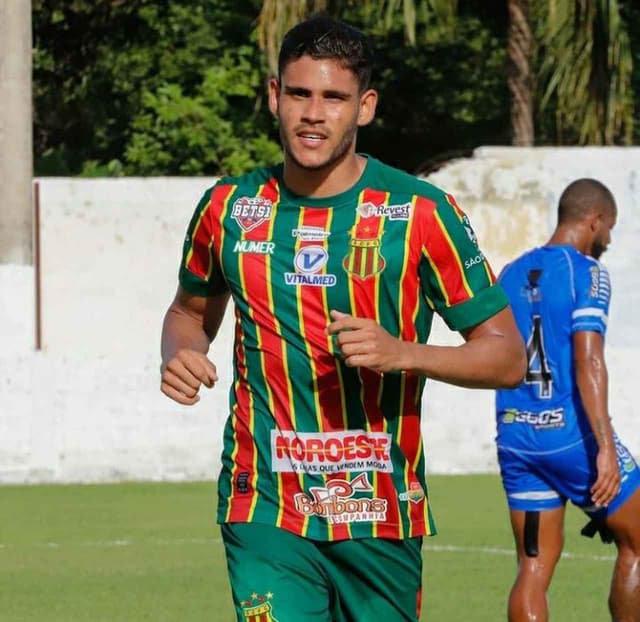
x: 180, y: 330
x: 492, y: 361
x: 592, y: 382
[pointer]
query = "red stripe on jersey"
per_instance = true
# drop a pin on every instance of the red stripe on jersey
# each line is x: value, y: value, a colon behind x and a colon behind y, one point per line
x: 256, y: 271
x: 204, y: 234
x: 366, y: 300
x: 409, y: 304
x: 241, y: 506
x: 314, y: 314
x: 443, y: 255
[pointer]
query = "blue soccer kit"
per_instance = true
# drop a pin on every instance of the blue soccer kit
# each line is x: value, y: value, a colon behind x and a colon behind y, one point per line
x: 546, y: 449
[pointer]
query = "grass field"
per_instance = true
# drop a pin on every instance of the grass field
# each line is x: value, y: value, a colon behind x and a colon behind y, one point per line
x: 134, y: 552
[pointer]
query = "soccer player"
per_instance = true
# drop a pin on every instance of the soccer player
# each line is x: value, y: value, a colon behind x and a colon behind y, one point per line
x: 555, y: 439
x: 335, y: 263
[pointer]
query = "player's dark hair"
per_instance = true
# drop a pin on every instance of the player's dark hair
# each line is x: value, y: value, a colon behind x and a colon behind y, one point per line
x: 322, y: 37
x: 582, y: 197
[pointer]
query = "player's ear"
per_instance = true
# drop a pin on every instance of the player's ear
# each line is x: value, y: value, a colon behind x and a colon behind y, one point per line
x: 368, y: 103
x: 274, y: 94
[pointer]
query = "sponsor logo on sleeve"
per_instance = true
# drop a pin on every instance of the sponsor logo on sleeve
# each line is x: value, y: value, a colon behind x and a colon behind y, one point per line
x: 251, y: 212
x: 472, y: 261
x: 330, y: 452
x: 415, y: 494
x: 338, y: 503
x: 466, y: 223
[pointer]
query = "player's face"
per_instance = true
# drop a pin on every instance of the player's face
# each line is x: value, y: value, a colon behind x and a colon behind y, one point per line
x: 602, y: 235
x: 319, y: 106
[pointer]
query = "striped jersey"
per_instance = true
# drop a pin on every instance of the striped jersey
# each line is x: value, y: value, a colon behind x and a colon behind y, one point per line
x: 554, y: 292
x: 310, y: 445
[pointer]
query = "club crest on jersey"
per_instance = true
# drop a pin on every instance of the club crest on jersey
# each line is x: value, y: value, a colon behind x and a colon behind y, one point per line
x: 338, y: 504
x: 393, y: 212
x: 258, y: 608
x: 364, y: 259
x: 251, y: 212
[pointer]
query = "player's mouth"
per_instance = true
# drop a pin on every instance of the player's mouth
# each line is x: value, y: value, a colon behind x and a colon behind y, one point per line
x: 311, y: 139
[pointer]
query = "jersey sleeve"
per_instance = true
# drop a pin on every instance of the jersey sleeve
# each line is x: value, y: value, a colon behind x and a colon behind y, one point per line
x: 457, y: 280
x: 200, y: 273
x: 592, y: 297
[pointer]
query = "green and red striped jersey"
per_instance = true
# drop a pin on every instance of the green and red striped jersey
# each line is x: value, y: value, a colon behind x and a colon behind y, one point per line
x: 312, y: 446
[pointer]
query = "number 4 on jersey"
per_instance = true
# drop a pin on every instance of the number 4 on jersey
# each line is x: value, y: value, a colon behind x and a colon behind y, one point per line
x: 538, y: 371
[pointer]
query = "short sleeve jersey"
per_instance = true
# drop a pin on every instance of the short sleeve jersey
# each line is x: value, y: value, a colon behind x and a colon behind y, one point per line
x: 313, y: 446
x: 554, y: 291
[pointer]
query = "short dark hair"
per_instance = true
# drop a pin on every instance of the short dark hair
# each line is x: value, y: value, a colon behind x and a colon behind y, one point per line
x: 323, y: 37
x: 581, y: 197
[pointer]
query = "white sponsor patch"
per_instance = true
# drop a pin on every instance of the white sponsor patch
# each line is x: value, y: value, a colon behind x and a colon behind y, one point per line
x: 310, y: 234
x: 330, y: 452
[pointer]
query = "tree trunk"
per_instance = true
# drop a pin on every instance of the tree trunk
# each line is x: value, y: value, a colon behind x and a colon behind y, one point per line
x: 520, y: 51
x: 16, y: 149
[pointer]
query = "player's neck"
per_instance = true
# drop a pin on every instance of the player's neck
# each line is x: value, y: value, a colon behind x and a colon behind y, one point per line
x: 570, y: 236
x: 335, y: 179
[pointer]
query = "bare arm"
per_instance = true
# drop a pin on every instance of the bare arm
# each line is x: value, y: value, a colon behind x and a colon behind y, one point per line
x: 492, y: 356
x: 190, y: 324
x: 592, y: 380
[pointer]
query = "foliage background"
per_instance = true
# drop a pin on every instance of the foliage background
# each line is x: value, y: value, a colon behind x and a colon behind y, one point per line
x: 160, y: 87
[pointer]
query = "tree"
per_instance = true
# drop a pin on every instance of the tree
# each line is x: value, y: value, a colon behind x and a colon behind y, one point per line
x: 585, y: 65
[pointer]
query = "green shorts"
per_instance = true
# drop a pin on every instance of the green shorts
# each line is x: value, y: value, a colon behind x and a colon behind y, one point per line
x: 277, y: 576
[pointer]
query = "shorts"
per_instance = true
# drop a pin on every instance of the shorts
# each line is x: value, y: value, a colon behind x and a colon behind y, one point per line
x: 537, y: 481
x: 278, y: 576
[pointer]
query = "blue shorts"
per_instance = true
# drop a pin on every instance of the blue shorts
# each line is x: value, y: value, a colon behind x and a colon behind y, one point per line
x: 537, y: 481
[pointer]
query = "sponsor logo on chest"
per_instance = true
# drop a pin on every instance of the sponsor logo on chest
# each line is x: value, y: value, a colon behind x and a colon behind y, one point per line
x: 252, y: 246
x: 338, y: 503
x: 330, y: 452
x: 251, y: 212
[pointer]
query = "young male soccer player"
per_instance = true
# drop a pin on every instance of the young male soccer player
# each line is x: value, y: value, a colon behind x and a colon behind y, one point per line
x: 555, y: 440
x: 336, y: 264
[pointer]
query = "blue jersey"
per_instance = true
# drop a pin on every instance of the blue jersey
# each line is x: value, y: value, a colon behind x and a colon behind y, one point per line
x: 554, y: 291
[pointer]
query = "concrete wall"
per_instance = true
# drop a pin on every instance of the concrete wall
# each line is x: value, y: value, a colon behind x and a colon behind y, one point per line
x: 88, y: 408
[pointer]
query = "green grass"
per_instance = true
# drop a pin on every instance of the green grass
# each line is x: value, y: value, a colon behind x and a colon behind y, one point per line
x: 132, y: 552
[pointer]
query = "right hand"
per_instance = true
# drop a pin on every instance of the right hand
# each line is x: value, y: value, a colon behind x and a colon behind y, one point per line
x: 183, y: 375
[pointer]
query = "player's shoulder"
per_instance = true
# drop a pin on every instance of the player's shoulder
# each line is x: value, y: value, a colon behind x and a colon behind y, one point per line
x: 247, y: 183
x: 397, y: 181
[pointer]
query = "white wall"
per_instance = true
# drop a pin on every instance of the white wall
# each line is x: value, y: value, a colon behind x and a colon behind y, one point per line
x: 88, y: 407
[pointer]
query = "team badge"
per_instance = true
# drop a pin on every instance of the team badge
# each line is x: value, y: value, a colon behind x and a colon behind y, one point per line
x: 364, y: 258
x: 258, y: 608
x: 251, y: 212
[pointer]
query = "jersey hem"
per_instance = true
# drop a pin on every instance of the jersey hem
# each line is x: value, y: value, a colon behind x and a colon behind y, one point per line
x: 419, y: 531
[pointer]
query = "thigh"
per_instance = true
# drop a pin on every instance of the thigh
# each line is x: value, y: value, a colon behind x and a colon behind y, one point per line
x: 275, y: 575
x: 624, y: 522
x: 375, y: 579
x: 526, y: 484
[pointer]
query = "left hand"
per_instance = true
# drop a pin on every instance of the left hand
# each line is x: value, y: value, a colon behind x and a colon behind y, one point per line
x: 607, y: 485
x: 364, y: 343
